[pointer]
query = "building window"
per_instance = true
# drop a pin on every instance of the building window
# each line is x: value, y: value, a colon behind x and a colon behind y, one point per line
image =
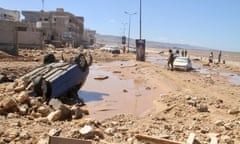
x: 70, y: 20
x: 5, y: 15
x: 45, y: 19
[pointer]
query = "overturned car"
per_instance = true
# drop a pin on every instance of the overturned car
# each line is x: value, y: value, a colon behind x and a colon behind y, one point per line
x: 55, y: 79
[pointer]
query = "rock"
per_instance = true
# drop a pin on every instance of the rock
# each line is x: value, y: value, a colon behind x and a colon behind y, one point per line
x: 84, y: 111
x: 42, y: 119
x: 22, y: 97
x: 192, y: 103
x: 203, y: 108
x: 101, y: 77
x: 11, y: 134
x: 55, y: 104
x: 58, y: 105
x: 86, y: 130
x: 76, y: 113
x: 148, y: 88
x: 110, y: 131
x: 54, y: 116
x: 227, y: 140
x: 65, y: 112
x: 19, y: 88
x: 24, y: 135
x: 219, y: 123
x: 36, y: 114
x: 35, y: 102
x: 188, y: 97
x: 12, y: 115
x: 125, y: 91
x: 8, y: 103
x: 44, y: 139
x: 44, y: 110
x: 234, y: 111
x: 228, y: 126
x: 54, y: 132
x: 23, y: 109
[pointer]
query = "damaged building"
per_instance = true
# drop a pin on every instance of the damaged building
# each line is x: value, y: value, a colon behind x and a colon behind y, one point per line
x: 58, y: 27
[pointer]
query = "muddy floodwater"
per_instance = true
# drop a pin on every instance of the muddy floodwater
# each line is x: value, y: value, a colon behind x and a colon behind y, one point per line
x: 106, y: 98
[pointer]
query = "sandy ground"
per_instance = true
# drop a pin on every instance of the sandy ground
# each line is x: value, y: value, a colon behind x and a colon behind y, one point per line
x: 143, y: 98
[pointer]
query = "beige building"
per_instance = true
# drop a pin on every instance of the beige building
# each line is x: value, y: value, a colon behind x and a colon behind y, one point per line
x: 9, y: 15
x: 58, y: 27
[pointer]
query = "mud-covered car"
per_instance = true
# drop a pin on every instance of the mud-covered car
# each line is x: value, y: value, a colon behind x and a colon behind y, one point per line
x: 182, y: 63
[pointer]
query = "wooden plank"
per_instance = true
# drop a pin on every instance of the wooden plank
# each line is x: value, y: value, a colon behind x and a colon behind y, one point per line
x: 61, y: 140
x: 156, y: 139
x: 191, y: 138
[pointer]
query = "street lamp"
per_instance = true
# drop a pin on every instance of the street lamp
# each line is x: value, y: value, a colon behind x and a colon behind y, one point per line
x: 129, y: 27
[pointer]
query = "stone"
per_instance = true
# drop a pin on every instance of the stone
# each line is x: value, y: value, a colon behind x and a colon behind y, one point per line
x: 12, y: 134
x: 24, y: 135
x: 77, y: 114
x: 23, y: 109
x: 192, y: 103
x: 110, y: 131
x: 54, y: 116
x: 219, y: 123
x: 54, y: 132
x: 227, y: 139
x: 84, y: 111
x: 8, y: 103
x: 86, y: 130
x: 101, y: 77
x: 35, y: 102
x: 42, y: 119
x: 125, y: 91
x: 234, y: 111
x: 55, y: 104
x: 19, y: 88
x: 44, y: 110
x: 22, y: 97
x: 65, y: 112
x: 203, y: 108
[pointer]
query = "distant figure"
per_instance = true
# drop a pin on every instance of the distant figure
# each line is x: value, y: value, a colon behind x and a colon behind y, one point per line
x: 170, y: 59
x: 219, y: 57
x: 124, y: 49
x: 182, y: 52
x: 210, y: 59
x: 185, y: 51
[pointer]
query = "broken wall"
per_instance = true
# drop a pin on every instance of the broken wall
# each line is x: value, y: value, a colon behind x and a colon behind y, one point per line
x: 8, y: 37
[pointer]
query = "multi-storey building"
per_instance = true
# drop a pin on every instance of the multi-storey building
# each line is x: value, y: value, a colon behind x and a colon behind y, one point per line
x: 58, y: 27
x: 9, y: 15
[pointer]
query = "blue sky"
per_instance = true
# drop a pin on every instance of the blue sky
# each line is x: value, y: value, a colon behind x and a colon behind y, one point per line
x: 208, y: 23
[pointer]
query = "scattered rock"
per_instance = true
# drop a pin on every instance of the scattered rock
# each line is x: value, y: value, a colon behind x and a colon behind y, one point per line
x: 76, y: 112
x: 22, y: 97
x: 86, y: 130
x: 219, y: 123
x: 101, y: 77
x: 234, y: 111
x: 24, y: 135
x: 125, y: 91
x: 44, y: 110
x: 8, y: 103
x: 227, y: 140
x: 54, y: 116
x: 54, y: 132
x: 110, y: 131
x: 203, y: 108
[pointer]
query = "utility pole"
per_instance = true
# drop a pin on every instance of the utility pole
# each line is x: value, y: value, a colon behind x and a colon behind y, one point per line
x: 140, y: 43
x: 129, y: 26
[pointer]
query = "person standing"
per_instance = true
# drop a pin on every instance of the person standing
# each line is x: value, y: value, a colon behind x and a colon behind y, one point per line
x: 182, y: 52
x: 170, y: 59
x: 185, y: 51
x: 219, y: 57
x: 210, y: 59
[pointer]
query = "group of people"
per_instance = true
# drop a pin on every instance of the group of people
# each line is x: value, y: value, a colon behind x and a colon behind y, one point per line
x: 210, y: 59
x: 172, y: 56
